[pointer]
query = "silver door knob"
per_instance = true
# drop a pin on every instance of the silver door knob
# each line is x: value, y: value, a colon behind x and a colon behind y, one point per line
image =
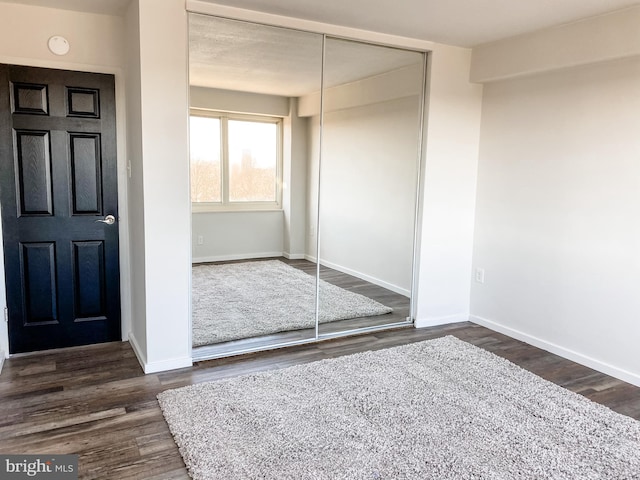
x: 109, y: 220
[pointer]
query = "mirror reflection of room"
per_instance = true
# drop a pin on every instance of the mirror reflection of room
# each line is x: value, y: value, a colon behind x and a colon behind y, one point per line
x: 291, y: 164
x: 369, y: 177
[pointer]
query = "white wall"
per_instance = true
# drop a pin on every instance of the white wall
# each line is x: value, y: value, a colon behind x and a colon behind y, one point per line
x: 95, y: 40
x: 368, y: 191
x: 450, y: 170
x: 165, y: 181
x: 294, y: 182
x: 138, y: 334
x: 398, y: 83
x: 368, y: 177
x: 238, y: 102
x: 605, y: 37
x: 97, y: 45
x: 557, y: 228
x: 237, y: 235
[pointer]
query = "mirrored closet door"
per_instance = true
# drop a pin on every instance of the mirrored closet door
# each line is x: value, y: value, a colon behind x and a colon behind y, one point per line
x: 303, y: 184
x: 251, y: 284
x: 369, y: 174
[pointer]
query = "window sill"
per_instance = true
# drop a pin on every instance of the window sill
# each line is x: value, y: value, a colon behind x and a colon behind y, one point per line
x: 209, y: 209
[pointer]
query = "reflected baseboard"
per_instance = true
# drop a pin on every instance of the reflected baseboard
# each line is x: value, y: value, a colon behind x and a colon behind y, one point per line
x: 363, y: 276
x: 294, y: 256
x: 229, y: 258
x: 368, y: 278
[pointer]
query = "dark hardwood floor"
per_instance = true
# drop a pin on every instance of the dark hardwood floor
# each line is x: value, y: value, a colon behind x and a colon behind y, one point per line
x: 96, y: 402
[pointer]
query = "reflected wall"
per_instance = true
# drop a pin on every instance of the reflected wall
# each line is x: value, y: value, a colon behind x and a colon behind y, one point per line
x: 369, y: 176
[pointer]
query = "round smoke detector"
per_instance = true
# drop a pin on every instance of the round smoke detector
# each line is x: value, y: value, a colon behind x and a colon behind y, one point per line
x: 58, y: 45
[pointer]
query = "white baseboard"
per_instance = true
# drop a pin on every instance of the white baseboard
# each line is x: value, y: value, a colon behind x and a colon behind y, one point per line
x: 142, y: 358
x: 444, y: 320
x: 294, y: 256
x: 161, y: 366
x: 1, y: 360
x: 243, y: 256
x: 169, y: 364
x: 569, y: 354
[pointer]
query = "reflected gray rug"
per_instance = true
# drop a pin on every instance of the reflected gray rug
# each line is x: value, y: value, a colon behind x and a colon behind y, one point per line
x: 250, y: 299
x: 440, y: 409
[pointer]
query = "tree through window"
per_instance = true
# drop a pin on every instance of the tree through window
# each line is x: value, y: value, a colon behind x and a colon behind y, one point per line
x: 235, y: 160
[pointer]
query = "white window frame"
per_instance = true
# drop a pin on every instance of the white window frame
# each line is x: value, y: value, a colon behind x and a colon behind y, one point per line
x: 225, y: 205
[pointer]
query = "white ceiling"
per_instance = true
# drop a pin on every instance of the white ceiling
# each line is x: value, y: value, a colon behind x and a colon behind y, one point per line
x: 456, y: 22
x: 106, y: 7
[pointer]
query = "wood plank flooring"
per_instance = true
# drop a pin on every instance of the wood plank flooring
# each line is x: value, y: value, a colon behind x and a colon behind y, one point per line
x: 96, y: 402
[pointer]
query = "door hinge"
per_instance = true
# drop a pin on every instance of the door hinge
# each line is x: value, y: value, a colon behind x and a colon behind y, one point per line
x: 6, y: 314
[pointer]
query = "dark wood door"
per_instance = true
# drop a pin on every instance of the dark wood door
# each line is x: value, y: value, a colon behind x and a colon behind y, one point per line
x: 58, y: 181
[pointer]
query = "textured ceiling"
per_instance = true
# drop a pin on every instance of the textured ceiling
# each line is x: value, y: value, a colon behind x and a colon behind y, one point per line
x: 243, y: 56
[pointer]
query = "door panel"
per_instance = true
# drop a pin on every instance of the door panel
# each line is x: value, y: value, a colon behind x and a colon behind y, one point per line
x: 39, y: 282
x: 30, y: 99
x: 58, y: 180
x: 83, y: 102
x: 85, y: 173
x: 88, y: 280
x: 34, y: 172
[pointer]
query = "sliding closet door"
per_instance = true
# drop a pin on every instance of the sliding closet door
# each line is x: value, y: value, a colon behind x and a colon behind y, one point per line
x: 255, y: 94
x: 304, y: 175
x: 371, y: 122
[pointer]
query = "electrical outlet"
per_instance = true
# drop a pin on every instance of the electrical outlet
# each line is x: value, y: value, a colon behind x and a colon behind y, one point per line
x: 200, y: 240
x: 480, y: 275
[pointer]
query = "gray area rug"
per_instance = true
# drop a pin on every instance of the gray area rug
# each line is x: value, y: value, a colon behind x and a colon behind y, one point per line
x: 440, y: 409
x: 249, y: 299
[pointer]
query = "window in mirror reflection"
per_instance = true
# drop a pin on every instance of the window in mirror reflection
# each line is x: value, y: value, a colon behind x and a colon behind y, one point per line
x: 235, y: 161
x: 253, y: 161
x: 205, y: 133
